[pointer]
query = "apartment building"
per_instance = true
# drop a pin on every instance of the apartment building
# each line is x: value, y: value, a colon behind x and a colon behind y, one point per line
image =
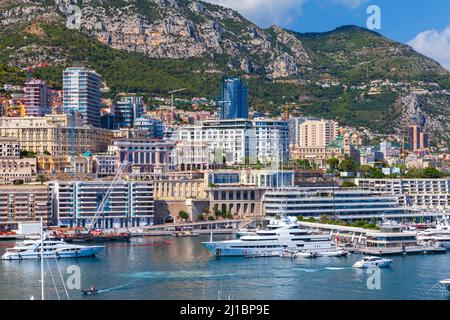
x: 433, y: 194
x: 130, y: 203
x: 24, y: 203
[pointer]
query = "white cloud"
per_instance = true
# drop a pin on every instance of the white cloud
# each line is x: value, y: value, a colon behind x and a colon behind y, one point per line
x: 434, y: 44
x: 265, y: 12
x: 350, y: 3
x: 281, y: 12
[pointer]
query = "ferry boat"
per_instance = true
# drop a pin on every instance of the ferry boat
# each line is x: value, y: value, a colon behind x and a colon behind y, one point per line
x: 371, y: 262
x: 52, y: 250
x: 278, y: 240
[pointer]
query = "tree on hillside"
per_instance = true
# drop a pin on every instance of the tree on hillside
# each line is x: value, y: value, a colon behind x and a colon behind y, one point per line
x: 432, y: 173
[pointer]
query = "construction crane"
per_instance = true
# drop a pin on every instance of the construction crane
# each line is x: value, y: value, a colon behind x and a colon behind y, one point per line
x: 30, y: 69
x: 101, y: 206
x: 172, y: 92
x: 72, y: 120
x: 403, y: 146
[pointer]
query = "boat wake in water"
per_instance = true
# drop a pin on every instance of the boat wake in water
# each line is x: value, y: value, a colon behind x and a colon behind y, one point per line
x: 121, y: 287
x: 336, y: 268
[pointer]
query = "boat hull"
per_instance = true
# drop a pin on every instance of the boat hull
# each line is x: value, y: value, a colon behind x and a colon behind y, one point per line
x: 365, y: 265
x: 444, y: 244
x: 224, y: 251
x: 80, y: 253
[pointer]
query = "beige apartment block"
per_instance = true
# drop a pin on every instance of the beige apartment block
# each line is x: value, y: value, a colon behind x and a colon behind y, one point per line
x: 52, y: 134
x: 318, y: 133
x: 24, y: 203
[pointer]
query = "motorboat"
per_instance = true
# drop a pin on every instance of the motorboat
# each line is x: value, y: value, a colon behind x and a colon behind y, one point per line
x: 31, y: 249
x: 372, y: 261
x: 306, y: 254
x: 290, y: 237
x: 335, y: 253
x: 445, y: 283
x: 263, y: 255
x: 92, y: 291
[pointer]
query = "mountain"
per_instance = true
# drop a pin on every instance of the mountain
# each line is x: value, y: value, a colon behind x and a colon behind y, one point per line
x: 154, y: 46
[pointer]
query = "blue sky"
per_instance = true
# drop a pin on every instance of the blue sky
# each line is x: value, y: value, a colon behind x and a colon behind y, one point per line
x: 423, y: 24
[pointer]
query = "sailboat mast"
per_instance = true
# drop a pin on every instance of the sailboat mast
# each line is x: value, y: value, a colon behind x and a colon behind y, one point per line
x: 42, y: 259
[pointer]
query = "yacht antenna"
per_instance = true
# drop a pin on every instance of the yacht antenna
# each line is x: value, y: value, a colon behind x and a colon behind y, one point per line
x: 42, y: 259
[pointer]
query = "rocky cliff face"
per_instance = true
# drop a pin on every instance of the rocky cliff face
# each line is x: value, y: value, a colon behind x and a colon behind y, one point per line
x: 176, y: 29
x: 207, y: 41
x: 429, y: 111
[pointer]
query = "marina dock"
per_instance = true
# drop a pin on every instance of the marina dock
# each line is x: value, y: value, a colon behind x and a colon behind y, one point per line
x: 418, y: 250
x: 163, y: 233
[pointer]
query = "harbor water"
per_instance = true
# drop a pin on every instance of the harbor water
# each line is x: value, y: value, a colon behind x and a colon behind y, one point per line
x: 181, y: 268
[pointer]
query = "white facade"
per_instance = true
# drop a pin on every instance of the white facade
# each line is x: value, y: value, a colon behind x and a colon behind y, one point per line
x: 342, y: 204
x: 82, y: 94
x: 431, y: 194
x: 240, y: 141
x: 130, y: 203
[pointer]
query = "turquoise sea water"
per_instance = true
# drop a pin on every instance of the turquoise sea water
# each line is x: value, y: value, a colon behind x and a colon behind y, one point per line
x: 181, y: 268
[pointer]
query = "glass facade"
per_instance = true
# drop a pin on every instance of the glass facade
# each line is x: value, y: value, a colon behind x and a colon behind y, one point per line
x: 127, y: 110
x: 82, y: 94
x: 233, y: 99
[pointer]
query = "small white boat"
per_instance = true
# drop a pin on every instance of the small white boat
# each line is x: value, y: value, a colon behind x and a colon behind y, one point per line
x: 306, y: 254
x: 263, y: 255
x: 52, y: 250
x: 287, y: 254
x: 370, y: 262
x: 336, y: 253
x: 445, y: 283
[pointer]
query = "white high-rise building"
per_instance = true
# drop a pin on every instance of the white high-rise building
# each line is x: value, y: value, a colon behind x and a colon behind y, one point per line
x: 82, y: 94
x: 130, y: 204
x: 240, y: 141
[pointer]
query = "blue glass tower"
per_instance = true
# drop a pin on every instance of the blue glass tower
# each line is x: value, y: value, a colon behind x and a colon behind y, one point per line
x: 233, y: 99
x: 127, y: 110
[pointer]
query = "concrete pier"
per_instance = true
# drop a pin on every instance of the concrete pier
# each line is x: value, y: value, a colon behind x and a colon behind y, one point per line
x: 417, y: 250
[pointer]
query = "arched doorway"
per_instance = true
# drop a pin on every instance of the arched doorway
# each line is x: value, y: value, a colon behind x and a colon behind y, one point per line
x: 169, y: 219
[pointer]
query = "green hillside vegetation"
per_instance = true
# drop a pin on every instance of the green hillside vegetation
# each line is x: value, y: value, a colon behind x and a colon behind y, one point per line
x: 349, y: 54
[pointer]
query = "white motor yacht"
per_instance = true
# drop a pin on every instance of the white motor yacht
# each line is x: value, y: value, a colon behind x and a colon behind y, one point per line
x: 290, y: 237
x: 371, y: 262
x: 52, y: 250
x: 273, y: 224
x: 439, y: 236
